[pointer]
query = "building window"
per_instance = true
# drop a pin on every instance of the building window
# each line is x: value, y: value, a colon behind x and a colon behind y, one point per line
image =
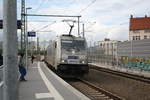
x: 147, y: 31
x: 134, y: 38
x: 137, y: 38
x: 136, y: 31
x: 145, y: 36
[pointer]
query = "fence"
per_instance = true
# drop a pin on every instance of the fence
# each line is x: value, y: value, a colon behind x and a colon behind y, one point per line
x: 102, y: 56
x: 130, y: 54
x: 135, y: 54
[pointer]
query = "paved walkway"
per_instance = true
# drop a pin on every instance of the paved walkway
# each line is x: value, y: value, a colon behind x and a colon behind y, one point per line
x: 43, y: 84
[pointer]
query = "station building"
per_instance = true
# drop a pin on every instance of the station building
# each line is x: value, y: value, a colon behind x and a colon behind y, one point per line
x: 110, y: 47
x: 139, y: 28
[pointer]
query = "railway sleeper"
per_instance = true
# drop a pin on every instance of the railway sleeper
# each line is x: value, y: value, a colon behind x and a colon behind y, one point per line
x: 100, y: 98
x: 102, y: 95
x: 95, y: 93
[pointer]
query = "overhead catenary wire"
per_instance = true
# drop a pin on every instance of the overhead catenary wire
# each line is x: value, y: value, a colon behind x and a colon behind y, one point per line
x: 47, y: 15
x: 40, y: 5
x: 44, y: 31
x: 40, y: 15
x: 39, y: 21
x: 84, y: 10
x: 79, y: 13
x: 45, y: 26
x: 87, y: 6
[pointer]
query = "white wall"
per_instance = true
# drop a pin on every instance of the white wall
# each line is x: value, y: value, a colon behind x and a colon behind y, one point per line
x: 140, y: 33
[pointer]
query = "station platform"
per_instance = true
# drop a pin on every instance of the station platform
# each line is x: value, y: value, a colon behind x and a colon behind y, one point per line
x: 43, y: 84
x: 123, y: 69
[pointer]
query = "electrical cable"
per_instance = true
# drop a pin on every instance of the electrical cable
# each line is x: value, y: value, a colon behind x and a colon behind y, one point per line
x: 46, y: 31
x: 40, y: 5
x: 39, y: 21
x: 87, y: 6
x: 46, y: 26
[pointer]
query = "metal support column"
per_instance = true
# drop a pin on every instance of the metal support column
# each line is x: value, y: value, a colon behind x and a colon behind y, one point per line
x: 83, y: 30
x: 26, y: 41
x: 38, y: 49
x: 10, y: 89
x: 26, y: 36
x: 78, y: 26
x: 22, y: 41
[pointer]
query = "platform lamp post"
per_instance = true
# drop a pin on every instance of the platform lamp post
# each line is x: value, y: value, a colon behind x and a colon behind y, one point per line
x: 26, y: 27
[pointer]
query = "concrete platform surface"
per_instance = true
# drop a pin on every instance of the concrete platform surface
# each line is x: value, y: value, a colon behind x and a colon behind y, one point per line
x: 43, y: 84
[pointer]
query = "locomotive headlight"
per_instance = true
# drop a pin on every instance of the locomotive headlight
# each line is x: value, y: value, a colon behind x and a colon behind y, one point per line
x: 73, y: 51
x: 83, y: 62
x: 62, y: 61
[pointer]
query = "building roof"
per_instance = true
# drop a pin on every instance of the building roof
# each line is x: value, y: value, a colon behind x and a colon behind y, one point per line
x: 110, y: 41
x: 140, y: 23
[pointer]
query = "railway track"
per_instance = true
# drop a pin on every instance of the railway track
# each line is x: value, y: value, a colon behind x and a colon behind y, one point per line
x: 127, y: 75
x: 92, y: 91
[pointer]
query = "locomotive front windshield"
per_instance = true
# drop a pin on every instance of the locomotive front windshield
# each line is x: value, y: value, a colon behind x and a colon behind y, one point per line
x: 73, y: 44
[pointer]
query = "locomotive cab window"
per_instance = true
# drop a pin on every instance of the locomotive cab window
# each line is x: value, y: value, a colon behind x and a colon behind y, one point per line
x: 73, y: 44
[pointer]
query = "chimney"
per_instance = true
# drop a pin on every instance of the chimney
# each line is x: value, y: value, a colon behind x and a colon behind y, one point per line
x: 145, y: 16
x: 106, y: 39
x: 131, y: 16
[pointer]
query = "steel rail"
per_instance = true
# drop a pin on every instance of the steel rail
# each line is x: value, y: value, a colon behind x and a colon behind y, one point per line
x: 92, y: 91
x: 123, y: 74
x: 107, y: 93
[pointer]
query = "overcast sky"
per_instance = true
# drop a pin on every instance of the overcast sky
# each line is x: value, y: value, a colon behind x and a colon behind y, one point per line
x: 102, y: 18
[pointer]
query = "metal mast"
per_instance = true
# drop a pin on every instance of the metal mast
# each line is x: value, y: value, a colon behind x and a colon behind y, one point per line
x: 10, y: 72
x: 22, y: 42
